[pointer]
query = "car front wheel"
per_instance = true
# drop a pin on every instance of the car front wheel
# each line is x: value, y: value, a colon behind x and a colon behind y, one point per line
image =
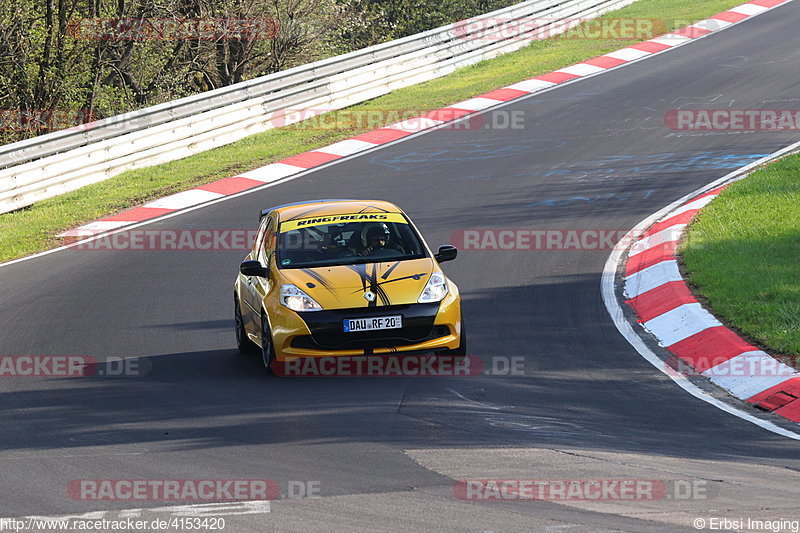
x: 243, y: 343
x: 267, y: 352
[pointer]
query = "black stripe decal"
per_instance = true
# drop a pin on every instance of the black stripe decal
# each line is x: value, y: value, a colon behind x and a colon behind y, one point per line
x: 377, y: 289
x: 390, y: 270
x: 324, y: 282
x: 320, y: 208
x: 414, y: 276
x: 361, y: 270
x: 318, y: 277
x: 376, y: 208
x: 306, y: 213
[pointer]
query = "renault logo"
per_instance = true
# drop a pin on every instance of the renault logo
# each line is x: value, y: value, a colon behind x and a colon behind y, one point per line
x: 369, y: 296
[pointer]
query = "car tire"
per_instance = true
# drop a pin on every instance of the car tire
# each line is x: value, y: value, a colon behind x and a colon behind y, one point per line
x: 267, y: 351
x: 243, y: 343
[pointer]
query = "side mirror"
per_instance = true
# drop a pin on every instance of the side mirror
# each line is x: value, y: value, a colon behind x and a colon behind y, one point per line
x: 253, y: 268
x: 446, y: 253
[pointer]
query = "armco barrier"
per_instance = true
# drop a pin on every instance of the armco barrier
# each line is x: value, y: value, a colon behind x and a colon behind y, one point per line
x: 62, y: 161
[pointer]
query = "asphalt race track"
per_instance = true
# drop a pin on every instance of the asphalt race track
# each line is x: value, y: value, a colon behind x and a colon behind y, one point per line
x: 386, y: 453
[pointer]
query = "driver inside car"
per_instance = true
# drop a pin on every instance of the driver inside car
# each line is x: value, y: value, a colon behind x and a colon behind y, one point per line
x: 378, y: 241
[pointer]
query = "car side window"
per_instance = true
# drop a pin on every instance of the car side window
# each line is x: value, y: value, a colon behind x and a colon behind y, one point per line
x: 266, y: 242
x: 259, y: 237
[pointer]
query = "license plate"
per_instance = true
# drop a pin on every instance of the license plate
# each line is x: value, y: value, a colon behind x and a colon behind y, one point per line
x: 369, y: 324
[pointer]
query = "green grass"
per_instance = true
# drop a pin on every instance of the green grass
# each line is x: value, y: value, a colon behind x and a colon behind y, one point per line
x: 34, y: 228
x: 742, y: 254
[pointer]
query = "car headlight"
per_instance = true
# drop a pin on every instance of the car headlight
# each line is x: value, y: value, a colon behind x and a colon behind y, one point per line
x: 297, y: 300
x: 435, y: 290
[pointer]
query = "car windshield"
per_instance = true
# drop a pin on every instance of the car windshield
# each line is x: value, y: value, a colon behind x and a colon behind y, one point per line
x: 347, y: 239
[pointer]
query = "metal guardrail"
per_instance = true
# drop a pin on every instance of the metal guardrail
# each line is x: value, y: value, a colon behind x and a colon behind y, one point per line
x: 63, y: 161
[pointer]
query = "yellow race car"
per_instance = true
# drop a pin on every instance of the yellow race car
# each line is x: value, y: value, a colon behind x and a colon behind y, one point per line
x: 344, y: 278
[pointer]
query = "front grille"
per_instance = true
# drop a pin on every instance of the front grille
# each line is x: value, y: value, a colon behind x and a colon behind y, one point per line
x: 327, y: 331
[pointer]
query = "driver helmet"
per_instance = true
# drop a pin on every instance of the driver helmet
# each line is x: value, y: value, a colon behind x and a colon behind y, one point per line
x: 377, y: 231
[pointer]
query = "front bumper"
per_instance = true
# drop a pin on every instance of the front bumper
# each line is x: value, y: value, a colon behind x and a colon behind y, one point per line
x: 426, y: 328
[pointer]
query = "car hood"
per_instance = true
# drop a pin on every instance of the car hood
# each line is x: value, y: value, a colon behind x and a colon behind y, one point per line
x: 345, y: 286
